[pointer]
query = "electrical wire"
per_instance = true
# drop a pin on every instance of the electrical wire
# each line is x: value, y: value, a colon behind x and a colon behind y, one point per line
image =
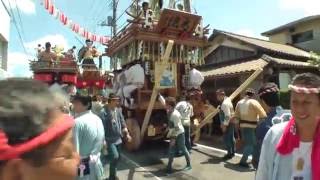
x: 125, y: 10
x: 17, y: 28
x: 5, y: 7
x: 20, y: 19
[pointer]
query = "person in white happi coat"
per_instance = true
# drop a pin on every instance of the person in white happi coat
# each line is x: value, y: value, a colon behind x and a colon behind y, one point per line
x: 185, y: 108
x: 134, y: 80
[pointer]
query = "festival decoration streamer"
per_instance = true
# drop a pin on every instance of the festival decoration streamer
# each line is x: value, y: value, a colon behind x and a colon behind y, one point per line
x: 66, y: 21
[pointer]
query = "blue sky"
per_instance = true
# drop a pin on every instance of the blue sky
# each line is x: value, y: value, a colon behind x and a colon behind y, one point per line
x: 248, y: 17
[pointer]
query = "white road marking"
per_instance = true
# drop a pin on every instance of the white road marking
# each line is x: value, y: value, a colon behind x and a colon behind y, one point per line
x: 138, y: 166
x: 220, y: 150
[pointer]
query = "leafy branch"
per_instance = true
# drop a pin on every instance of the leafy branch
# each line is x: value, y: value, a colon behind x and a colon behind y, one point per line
x: 314, y: 59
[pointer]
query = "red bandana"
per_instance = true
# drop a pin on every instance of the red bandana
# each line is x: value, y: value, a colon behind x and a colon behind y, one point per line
x: 8, y: 152
x: 290, y: 140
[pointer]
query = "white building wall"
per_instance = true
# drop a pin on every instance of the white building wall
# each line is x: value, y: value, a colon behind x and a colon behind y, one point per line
x: 4, y: 36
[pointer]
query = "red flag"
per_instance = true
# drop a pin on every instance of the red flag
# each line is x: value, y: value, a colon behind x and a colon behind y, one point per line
x: 105, y: 40
x: 63, y: 18
x: 75, y: 28
x: 89, y: 34
x: 46, y: 4
x: 51, y: 9
x: 65, y: 21
x: 84, y: 33
x: 94, y: 37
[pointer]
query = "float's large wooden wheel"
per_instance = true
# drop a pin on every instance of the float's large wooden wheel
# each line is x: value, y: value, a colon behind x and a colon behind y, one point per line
x: 134, y: 130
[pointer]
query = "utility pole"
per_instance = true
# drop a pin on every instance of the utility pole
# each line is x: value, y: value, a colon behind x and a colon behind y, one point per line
x: 114, y: 17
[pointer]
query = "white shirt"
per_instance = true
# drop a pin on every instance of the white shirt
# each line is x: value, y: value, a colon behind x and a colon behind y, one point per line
x: 304, y: 152
x: 227, y: 109
x: 135, y: 74
x: 186, y: 111
x: 175, y: 119
x: 196, y: 78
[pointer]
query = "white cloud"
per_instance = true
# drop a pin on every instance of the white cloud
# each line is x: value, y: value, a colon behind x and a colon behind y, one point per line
x: 54, y: 39
x: 25, y: 6
x: 308, y: 7
x: 250, y: 33
x: 18, y: 64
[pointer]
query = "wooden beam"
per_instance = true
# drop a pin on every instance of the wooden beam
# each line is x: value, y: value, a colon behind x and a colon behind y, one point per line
x: 155, y: 90
x: 241, y: 88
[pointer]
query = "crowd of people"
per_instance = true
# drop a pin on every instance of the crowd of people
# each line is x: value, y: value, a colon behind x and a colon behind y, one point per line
x: 38, y: 138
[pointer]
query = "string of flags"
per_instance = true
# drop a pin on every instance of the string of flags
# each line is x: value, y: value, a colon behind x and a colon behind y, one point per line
x: 59, y: 15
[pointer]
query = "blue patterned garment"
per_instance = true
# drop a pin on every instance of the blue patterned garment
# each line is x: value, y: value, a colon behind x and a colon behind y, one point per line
x: 89, y: 138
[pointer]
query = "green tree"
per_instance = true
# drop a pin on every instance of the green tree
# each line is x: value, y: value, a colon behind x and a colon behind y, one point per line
x: 315, y: 59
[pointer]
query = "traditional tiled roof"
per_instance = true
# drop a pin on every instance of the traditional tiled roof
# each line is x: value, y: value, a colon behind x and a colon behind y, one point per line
x: 291, y: 24
x: 265, y: 45
x: 253, y: 65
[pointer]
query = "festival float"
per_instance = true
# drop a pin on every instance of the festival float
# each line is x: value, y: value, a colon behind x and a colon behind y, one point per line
x: 55, y: 66
x: 157, y: 51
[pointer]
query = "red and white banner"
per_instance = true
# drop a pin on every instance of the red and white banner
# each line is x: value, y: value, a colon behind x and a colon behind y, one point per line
x: 56, y: 13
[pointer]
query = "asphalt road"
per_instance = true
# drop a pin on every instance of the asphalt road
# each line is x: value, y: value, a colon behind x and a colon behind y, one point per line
x: 151, y: 160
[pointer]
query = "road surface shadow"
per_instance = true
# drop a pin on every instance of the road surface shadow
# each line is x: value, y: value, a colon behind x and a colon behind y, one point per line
x: 213, y: 159
x: 150, y: 153
x: 178, y: 174
x: 236, y: 167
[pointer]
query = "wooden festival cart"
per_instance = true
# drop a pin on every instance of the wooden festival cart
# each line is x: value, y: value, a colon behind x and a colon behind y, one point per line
x: 169, y: 45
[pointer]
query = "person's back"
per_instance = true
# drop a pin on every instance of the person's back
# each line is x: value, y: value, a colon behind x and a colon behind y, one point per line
x: 176, y: 127
x: 92, y: 134
x: 88, y: 138
x: 249, y: 111
x: 270, y: 101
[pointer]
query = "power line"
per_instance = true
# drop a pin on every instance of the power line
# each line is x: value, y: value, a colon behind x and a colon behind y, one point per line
x: 17, y: 28
x: 125, y: 9
x: 20, y: 19
x: 5, y: 7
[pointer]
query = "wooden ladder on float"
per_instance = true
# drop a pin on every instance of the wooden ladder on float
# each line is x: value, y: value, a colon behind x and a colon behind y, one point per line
x: 241, y: 88
x: 155, y: 91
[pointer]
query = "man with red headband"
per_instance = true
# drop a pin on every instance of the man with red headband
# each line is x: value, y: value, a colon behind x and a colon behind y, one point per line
x: 291, y: 150
x: 35, y: 136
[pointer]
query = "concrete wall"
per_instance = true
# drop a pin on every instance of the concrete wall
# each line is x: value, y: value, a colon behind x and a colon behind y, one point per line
x: 284, y: 37
x: 4, y: 36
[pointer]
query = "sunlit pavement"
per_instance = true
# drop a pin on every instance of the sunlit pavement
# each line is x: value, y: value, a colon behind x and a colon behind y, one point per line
x: 150, y: 163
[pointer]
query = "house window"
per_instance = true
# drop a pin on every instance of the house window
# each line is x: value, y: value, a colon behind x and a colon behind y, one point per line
x: 284, y: 80
x: 302, y: 37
